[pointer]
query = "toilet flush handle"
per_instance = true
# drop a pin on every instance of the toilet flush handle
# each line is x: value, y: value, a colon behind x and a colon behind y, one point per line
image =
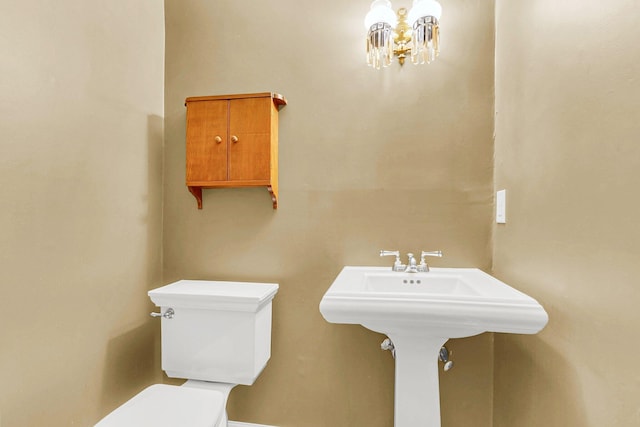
x: 167, y: 314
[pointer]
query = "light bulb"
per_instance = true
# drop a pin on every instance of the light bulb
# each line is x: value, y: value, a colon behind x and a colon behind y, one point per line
x: 381, y: 11
x: 423, y: 8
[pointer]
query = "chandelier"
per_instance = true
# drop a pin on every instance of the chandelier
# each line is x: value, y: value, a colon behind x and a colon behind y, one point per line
x: 414, y: 33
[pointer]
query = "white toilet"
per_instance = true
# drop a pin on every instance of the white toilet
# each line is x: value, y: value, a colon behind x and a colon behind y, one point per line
x: 214, y: 334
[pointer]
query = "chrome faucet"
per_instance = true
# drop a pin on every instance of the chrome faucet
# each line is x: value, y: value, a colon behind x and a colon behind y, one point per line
x: 412, y: 265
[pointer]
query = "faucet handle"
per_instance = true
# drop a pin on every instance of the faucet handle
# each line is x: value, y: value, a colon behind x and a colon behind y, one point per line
x: 423, y: 265
x: 397, y: 264
x: 388, y: 253
x: 431, y: 253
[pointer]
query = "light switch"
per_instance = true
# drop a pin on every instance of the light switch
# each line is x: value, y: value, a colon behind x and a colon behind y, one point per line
x: 501, y: 207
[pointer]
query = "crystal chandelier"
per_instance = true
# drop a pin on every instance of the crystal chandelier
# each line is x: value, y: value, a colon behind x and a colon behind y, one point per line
x: 414, y: 34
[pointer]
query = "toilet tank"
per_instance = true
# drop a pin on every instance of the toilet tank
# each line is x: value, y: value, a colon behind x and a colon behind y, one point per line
x: 220, y: 331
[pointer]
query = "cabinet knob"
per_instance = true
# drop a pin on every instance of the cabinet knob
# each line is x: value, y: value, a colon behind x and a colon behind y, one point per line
x: 217, y: 139
x: 234, y: 138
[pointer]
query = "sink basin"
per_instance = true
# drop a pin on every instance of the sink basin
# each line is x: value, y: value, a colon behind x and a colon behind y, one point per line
x: 445, y: 302
x: 419, y: 312
x: 434, y: 284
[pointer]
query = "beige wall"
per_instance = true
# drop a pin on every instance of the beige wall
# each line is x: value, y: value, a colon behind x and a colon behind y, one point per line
x: 568, y: 153
x: 397, y: 159
x: 81, y: 110
x: 400, y: 158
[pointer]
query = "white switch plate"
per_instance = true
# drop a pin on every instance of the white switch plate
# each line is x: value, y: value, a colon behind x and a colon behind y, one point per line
x: 501, y: 207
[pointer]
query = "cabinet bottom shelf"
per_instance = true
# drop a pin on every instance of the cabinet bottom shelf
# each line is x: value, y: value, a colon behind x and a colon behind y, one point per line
x: 197, y: 191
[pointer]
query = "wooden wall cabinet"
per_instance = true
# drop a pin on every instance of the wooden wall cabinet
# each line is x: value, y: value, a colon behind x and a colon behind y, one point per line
x: 232, y: 141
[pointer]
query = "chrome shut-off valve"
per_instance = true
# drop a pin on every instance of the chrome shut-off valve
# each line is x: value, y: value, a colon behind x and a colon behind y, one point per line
x: 443, y: 356
x: 387, y: 344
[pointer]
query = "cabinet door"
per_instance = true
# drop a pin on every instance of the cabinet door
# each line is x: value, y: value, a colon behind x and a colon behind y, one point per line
x: 207, y: 141
x: 249, y: 146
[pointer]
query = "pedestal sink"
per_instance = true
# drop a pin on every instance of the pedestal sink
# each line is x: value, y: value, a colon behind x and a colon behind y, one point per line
x: 419, y: 312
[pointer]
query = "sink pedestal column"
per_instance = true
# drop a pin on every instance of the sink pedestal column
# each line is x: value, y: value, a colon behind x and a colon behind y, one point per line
x: 417, y: 392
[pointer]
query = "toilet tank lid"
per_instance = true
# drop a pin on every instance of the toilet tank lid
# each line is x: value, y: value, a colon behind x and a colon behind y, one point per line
x: 219, y: 295
x: 163, y: 405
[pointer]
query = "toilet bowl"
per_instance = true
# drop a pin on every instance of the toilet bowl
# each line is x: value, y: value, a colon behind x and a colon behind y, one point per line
x: 215, y: 335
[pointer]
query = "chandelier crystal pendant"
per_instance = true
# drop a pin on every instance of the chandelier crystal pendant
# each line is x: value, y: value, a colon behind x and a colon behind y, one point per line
x: 414, y: 34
